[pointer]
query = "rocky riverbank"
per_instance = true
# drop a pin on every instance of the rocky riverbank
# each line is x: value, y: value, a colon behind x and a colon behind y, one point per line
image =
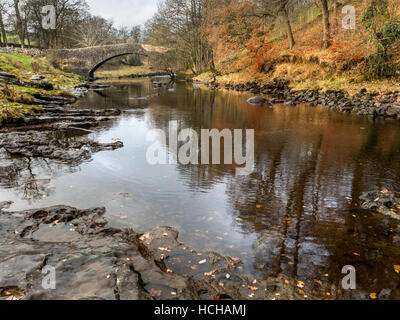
x: 364, y: 103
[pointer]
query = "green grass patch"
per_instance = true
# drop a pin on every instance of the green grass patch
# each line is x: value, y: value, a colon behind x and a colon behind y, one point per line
x: 17, y: 59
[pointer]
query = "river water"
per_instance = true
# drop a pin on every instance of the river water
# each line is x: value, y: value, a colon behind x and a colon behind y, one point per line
x: 296, y: 217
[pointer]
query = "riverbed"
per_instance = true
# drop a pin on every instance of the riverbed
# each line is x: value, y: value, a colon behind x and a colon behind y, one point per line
x: 296, y: 218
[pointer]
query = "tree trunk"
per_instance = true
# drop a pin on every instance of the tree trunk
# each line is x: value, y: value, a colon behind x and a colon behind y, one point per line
x: 27, y: 33
x: 327, y: 26
x: 335, y: 15
x: 20, y: 25
x: 3, y: 30
x: 289, y: 31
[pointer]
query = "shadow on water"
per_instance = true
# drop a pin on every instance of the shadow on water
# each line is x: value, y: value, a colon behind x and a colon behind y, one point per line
x: 296, y: 217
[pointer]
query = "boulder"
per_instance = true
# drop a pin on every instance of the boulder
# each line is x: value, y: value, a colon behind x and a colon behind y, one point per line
x: 257, y: 101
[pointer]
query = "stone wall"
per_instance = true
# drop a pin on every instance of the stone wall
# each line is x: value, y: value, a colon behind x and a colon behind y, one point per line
x: 26, y: 51
x: 89, y: 59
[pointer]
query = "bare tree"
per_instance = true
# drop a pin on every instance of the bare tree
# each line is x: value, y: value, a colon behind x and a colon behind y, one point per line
x: 2, y: 27
x: 93, y: 31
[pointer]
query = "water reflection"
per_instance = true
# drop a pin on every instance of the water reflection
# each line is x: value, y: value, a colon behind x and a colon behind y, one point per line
x: 295, y: 217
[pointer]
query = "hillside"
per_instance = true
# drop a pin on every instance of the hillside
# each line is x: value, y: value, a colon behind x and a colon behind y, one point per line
x: 307, y: 65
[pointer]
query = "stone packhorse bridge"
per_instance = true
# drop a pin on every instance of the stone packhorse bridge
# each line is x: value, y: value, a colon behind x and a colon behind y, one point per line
x: 88, y: 60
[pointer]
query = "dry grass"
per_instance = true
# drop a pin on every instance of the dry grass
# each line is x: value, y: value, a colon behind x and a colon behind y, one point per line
x: 13, y: 94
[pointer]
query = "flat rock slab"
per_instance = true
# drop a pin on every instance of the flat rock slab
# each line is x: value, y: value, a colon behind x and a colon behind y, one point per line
x: 50, y: 145
x: 92, y: 261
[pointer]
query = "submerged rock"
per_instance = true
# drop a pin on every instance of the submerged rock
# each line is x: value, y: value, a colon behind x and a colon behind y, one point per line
x: 383, y: 202
x: 257, y: 101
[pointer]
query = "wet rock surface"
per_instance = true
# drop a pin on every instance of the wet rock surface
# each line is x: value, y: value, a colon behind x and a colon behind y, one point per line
x: 46, y: 145
x: 93, y: 261
x: 55, y: 130
x: 384, y: 202
x: 57, y: 110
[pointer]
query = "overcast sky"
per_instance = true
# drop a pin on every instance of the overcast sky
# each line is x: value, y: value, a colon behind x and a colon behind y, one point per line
x: 124, y: 12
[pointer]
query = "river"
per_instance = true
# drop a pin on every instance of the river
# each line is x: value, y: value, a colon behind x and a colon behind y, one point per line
x: 295, y: 217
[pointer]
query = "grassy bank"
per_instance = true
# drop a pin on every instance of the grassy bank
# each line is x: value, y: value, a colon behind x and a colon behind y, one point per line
x: 15, y: 100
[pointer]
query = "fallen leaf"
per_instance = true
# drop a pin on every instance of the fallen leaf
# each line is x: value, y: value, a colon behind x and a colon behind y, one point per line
x: 259, y: 206
x: 318, y: 282
x: 397, y: 268
x: 203, y: 261
x: 209, y: 274
x: 253, y: 288
x: 373, y: 296
x: 155, y: 293
x: 300, y: 284
x: 169, y: 271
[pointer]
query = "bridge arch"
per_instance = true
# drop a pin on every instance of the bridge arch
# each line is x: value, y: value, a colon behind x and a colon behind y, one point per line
x: 99, y: 64
x: 88, y: 60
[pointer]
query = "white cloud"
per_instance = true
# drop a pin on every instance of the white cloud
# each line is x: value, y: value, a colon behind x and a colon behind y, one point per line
x: 124, y: 12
